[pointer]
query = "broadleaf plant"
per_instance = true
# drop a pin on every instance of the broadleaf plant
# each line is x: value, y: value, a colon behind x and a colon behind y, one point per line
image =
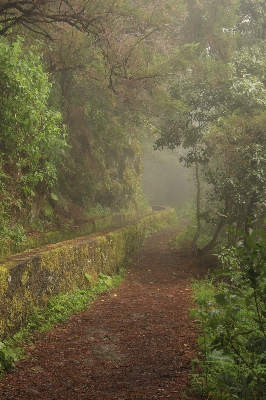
x: 233, y: 319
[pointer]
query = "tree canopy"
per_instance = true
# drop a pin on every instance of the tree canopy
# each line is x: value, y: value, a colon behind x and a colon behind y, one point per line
x: 32, y: 135
x: 216, y: 112
x: 39, y: 15
x: 193, y: 72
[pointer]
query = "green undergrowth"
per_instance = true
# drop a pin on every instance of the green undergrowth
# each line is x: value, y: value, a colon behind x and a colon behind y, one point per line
x: 190, y: 237
x: 184, y: 239
x: 231, y: 310
x: 59, y: 309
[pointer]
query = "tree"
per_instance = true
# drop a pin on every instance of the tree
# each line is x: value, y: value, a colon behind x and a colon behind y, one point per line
x: 32, y: 138
x: 106, y: 93
x: 217, y: 114
x: 196, y: 101
x: 237, y: 171
x: 211, y: 24
x: 36, y: 15
x: 251, y: 22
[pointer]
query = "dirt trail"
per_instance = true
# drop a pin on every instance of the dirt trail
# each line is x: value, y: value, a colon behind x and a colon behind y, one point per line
x: 134, y: 342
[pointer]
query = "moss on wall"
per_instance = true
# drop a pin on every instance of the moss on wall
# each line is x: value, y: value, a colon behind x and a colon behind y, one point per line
x: 27, y: 280
x: 96, y: 224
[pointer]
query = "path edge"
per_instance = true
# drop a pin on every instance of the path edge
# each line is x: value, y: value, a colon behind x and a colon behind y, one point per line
x: 29, y: 279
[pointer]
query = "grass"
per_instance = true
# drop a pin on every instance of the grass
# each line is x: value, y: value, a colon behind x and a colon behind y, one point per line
x: 59, y: 309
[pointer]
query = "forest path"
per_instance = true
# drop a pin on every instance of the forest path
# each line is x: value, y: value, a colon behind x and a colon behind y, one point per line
x: 135, y: 342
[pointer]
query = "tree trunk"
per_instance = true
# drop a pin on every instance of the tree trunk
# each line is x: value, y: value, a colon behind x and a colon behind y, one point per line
x: 198, y: 205
x: 249, y: 214
x: 221, y: 223
x: 212, y: 243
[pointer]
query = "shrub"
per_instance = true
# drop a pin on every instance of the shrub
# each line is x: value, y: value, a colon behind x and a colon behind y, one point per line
x: 232, y: 313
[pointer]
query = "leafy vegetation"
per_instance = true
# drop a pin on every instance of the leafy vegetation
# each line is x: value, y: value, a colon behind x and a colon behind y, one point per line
x: 101, y: 59
x: 82, y: 83
x: 215, y: 112
x: 232, y: 314
x: 32, y: 138
x: 187, y: 70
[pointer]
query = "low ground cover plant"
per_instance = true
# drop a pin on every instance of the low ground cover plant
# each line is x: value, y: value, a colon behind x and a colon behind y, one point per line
x: 58, y: 309
x: 231, y: 308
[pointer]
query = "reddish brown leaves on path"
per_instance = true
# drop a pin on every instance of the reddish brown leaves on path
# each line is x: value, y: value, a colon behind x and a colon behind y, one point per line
x: 134, y: 342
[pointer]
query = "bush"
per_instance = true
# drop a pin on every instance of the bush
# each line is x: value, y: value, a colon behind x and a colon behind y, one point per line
x: 32, y: 138
x: 233, y: 319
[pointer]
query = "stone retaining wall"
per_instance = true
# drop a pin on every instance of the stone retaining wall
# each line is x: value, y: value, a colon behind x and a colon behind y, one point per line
x: 28, y: 279
x: 94, y: 224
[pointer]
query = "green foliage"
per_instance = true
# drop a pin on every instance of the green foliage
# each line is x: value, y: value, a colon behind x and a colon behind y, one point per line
x: 98, y: 210
x: 251, y: 21
x: 14, y: 233
x: 185, y: 239
x: 8, y: 357
x: 237, y: 165
x: 102, y: 169
x: 60, y: 307
x: 216, y: 112
x: 232, y: 313
x: 106, y: 85
x: 211, y: 24
x: 32, y: 138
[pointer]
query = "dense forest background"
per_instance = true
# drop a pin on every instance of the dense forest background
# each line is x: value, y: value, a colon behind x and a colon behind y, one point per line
x: 88, y: 86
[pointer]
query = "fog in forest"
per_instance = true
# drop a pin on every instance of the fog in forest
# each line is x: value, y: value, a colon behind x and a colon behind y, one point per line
x: 165, y: 181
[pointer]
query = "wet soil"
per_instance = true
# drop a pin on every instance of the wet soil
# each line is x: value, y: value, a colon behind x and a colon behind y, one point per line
x: 135, y: 342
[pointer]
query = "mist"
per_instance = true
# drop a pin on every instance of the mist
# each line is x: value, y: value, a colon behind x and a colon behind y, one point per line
x: 165, y: 181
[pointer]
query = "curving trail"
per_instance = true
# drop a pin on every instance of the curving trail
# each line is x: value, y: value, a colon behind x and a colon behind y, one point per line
x: 134, y: 342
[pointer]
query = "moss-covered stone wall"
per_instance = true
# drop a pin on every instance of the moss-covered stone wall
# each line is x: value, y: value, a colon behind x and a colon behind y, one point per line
x: 27, y: 280
x: 95, y: 224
